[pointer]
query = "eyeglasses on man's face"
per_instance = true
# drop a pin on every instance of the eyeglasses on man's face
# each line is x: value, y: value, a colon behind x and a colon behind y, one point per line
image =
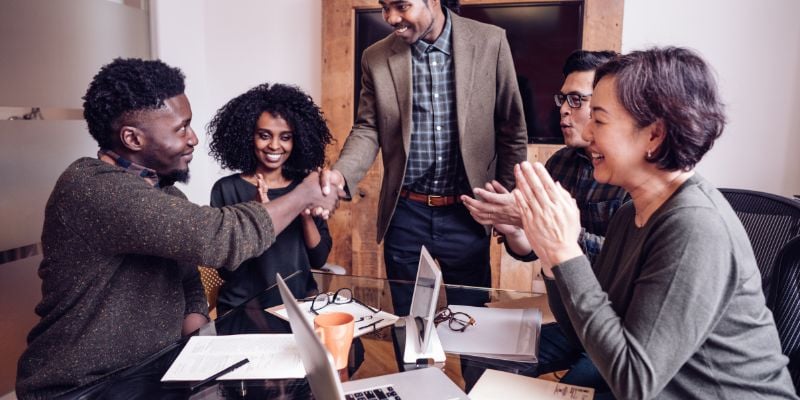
x: 456, y: 321
x: 574, y: 100
x: 341, y: 296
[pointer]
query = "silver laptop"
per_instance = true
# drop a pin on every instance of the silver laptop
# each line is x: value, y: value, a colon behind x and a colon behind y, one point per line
x: 422, y: 342
x: 425, y: 383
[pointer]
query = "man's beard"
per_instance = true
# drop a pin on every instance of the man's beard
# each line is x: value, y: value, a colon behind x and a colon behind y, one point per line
x: 181, y: 176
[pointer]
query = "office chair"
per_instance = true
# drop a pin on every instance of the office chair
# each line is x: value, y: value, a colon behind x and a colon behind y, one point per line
x: 785, y: 300
x: 211, y: 284
x: 770, y: 221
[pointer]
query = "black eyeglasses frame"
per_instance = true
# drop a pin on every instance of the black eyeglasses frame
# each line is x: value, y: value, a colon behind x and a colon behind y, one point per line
x: 336, y: 298
x: 574, y: 99
x: 456, y: 321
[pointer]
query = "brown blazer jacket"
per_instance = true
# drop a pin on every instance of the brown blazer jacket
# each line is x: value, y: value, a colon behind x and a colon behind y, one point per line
x: 491, y: 123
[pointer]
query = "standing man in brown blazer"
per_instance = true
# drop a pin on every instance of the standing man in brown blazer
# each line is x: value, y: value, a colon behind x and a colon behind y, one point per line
x: 440, y: 99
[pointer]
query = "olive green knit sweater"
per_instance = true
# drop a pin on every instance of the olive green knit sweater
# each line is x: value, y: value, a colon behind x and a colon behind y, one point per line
x: 119, y: 272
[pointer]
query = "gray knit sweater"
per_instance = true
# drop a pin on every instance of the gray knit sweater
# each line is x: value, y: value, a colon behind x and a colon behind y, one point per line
x: 120, y: 272
x: 674, y: 310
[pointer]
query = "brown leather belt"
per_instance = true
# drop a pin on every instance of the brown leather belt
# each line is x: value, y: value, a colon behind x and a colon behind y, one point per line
x: 431, y: 200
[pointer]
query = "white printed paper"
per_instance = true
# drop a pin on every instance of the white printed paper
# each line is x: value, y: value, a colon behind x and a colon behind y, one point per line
x: 272, y: 356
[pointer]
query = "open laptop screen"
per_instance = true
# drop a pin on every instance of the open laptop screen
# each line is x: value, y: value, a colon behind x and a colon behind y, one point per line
x: 426, y: 293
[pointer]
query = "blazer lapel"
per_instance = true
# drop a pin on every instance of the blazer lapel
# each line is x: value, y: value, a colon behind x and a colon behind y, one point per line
x: 400, y: 68
x: 463, y: 57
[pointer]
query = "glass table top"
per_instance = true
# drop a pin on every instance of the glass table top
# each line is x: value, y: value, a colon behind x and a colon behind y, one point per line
x: 372, y: 354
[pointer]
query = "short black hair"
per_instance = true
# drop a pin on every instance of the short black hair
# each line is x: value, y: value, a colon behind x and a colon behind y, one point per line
x: 233, y: 127
x: 453, y: 5
x: 585, y: 60
x: 124, y: 87
x: 673, y: 85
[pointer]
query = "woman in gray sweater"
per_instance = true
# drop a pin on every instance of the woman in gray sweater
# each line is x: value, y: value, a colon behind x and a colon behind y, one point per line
x: 672, y: 308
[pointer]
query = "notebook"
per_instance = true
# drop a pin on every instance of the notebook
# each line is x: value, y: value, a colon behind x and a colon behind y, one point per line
x: 424, y: 383
x: 503, y: 385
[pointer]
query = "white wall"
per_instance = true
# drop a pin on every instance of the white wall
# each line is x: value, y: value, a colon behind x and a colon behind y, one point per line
x: 49, y: 52
x: 754, y: 46
x: 227, y: 47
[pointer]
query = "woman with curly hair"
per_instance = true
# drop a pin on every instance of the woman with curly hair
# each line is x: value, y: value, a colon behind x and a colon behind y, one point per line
x: 275, y: 135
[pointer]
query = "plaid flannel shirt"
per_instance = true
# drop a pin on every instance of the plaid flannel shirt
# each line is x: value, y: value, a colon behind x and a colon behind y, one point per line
x: 434, y: 164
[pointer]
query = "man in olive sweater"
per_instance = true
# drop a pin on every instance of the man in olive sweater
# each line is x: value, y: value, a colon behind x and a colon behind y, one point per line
x: 122, y: 244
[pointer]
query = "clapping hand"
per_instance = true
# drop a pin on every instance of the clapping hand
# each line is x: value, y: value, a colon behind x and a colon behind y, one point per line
x: 550, y: 216
x: 494, y: 205
x: 261, y: 187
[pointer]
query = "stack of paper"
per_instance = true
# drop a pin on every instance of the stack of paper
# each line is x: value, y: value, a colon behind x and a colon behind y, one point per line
x: 502, y: 385
x: 272, y: 356
x: 366, y: 320
x: 506, y: 334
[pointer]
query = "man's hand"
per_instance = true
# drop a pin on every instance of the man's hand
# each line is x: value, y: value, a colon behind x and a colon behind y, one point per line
x: 496, y: 207
x: 332, y: 177
x: 321, y: 204
x: 306, y: 196
x: 192, y: 322
x: 328, y: 178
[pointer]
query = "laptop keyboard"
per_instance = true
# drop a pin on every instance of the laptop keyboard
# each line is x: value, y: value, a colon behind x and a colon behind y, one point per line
x: 385, y: 392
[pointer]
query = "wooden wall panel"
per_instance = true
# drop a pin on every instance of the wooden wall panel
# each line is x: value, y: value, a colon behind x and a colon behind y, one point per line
x: 353, y: 225
x: 602, y: 25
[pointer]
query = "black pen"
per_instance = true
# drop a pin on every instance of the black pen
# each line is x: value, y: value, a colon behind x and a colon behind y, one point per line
x: 220, y: 373
x: 371, y: 325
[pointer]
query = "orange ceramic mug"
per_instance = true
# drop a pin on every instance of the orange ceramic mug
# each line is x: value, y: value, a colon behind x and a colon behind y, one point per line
x: 335, y: 330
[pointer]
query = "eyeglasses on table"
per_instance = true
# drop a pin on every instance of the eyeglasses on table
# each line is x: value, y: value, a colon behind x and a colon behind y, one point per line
x: 341, y: 296
x: 456, y: 321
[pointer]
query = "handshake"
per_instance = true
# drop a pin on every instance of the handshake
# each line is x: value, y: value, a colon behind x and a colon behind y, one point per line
x: 322, y: 190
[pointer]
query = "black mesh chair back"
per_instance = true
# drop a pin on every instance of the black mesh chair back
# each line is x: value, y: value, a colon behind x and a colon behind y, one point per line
x: 770, y: 221
x: 785, y: 299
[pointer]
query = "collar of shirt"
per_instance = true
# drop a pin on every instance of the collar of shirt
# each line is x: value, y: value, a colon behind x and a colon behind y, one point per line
x: 443, y: 43
x: 581, y: 152
x: 148, y: 174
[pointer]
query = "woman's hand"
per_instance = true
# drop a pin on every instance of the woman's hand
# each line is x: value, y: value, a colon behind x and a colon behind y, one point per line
x: 550, y: 216
x: 261, y: 187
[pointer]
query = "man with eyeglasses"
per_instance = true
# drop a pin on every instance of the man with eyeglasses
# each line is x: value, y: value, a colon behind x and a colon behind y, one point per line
x: 573, y: 169
x: 570, y: 166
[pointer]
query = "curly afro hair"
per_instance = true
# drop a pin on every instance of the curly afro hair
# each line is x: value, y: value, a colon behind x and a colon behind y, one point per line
x: 233, y: 127
x: 123, y: 88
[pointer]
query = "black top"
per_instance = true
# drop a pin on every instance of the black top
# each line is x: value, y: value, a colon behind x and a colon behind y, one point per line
x: 287, y: 255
